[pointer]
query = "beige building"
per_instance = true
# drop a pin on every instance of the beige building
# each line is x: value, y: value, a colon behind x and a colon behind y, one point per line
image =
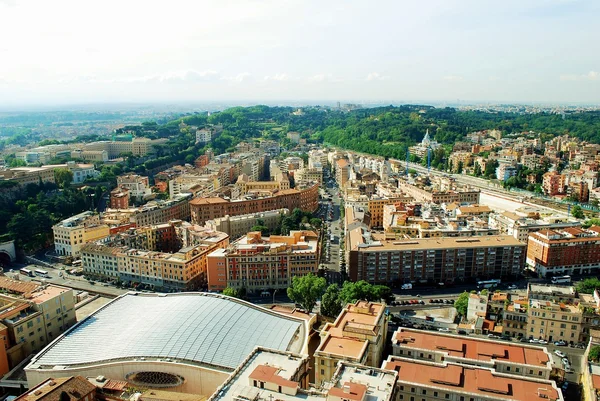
x: 358, y: 335
x: 71, y: 234
x: 553, y: 321
x: 309, y: 174
x: 38, y: 317
x: 502, y: 357
x: 237, y: 226
x: 28, y: 175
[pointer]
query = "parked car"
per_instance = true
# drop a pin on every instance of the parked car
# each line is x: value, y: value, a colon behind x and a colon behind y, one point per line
x: 524, y: 340
x: 534, y: 340
x: 565, y: 361
x: 462, y: 332
x: 565, y: 386
x: 444, y: 329
x: 560, y: 353
x: 543, y: 342
x: 512, y: 287
x: 560, y: 343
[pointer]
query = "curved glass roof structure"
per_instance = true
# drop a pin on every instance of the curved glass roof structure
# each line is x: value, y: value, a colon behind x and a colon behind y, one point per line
x: 202, y: 328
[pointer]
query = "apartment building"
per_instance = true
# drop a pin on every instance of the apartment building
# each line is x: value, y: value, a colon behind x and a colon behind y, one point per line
x: 309, y: 174
x: 514, y: 318
x: 358, y: 335
x: 477, y: 306
x: 505, y: 170
x: 375, y: 259
x: 237, y: 226
x: 116, y: 148
x: 101, y: 260
x: 260, y: 263
x: 71, y: 234
x: 553, y: 321
x: 456, y: 195
x: 35, y: 319
x: 28, y: 175
x: 376, y: 206
x: 304, y: 198
x: 502, y: 357
x: 137, y: 185
x: 428, y: 381
x: 342, y: 172
x: 245, y: 185
x: 553, y: 183
x: 520, y: 226
x: 567, y: 251
x: 152, y: 255
x: 119, y: 198
x: 157, y: 212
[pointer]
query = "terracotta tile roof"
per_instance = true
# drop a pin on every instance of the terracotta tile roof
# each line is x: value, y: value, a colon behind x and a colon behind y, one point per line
x: 268, y: 374
x: 473, y: 380
x: 476, y: 349
x: 114, y: 385
x: 350, y: 391
x: 77, y: 387
x: 16, y: 286
x: 207, y: 201
x: 596, y: 382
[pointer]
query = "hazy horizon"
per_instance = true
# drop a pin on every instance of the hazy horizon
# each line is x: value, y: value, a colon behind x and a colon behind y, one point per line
x: 251, y: 52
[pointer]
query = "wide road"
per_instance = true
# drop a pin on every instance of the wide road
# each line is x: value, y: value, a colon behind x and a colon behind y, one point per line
x: 335, y: 226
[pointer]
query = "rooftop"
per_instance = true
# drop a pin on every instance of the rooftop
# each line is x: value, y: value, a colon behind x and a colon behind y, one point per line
x: 197, y: 328
x: 472, y: 380
x: 76, y: 387
x: 473, y: 348
x: 48, y: 292
x: 379, y: 243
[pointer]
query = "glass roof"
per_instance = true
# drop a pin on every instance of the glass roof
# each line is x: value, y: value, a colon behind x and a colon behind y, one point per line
x: 193, y: 326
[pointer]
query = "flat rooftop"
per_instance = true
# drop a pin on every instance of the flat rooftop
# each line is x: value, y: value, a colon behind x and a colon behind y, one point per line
x: 472, y: 348
x: 345, y: 347
x: 472, y: 380
x: 380, y: 243
x: 48, y: 292
x: 568, y: 290
x: 200, y: 328
x: 350, y: 382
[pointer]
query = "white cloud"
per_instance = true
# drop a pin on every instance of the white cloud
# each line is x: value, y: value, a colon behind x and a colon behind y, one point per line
x: 590, y: 76
x: 323, y: 78
x: 278, y: 77
x: 375, y: 76
x: 453, y: 78
x: 241, y: 77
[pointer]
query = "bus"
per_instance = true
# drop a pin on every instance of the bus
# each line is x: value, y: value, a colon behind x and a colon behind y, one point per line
x: 26, y: 272
x: 561, y: 280
x: 41, y: 273
x: 488, y: 283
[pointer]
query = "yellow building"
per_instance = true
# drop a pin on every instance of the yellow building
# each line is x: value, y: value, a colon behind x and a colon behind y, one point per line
x: 358, y: 335
x: 553, y: 321
x: 72, y: 233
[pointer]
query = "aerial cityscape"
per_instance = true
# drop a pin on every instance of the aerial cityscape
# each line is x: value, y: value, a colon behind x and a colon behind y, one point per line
x: 300, y: 201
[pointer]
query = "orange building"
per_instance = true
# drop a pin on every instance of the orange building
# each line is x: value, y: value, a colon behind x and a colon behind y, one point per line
x: 203, y: 209
x: 119, y: 198
x: 259, y: 264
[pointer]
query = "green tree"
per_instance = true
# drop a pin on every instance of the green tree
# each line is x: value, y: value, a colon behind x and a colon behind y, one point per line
x: 594, y: 355
x: 63, y: 177
x: 331, y: 304
x: 490, y: 169
x: 577, y: 212
x: 264, y: 230
x: 362, y: 290
x: 462, y: 303
x: 316, y: 222
x: 306, y: 290
x: 588, y: 285
x: 230, y: 292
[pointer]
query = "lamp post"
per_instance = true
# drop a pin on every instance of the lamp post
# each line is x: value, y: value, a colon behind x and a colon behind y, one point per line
x: 274, y: 292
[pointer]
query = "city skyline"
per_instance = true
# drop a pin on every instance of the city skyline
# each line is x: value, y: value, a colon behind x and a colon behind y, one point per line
x: 267, y: 51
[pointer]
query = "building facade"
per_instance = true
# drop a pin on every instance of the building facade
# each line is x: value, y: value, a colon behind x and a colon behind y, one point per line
x: 71, y: 234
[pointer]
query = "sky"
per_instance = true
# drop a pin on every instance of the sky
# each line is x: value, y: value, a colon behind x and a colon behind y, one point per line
x: 73, y: 51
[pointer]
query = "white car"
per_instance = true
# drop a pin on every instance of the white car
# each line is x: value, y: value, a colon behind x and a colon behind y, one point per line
x: 560, y: 353
x: 444, y: 329
x: 543, y: 342
x: 512, y: 287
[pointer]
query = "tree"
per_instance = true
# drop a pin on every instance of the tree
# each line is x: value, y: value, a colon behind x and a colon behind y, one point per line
x: 462, y: 303
x: 331, y: 305
x: 577, y: 212
x: 306, y: 290
x: 594, y: 355
x: 63, y: 177
x: 588, y: 285
x: 264, y: 230
x: 361, y: 290
x: 316, y: 222
x: 230, y: 292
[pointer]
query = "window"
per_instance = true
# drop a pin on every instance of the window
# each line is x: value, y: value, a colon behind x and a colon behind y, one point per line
x: 322, y: 362
x: 322, y: 371
x: 424, y: 392
x: 435, y: 393
x: 508, y: 368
